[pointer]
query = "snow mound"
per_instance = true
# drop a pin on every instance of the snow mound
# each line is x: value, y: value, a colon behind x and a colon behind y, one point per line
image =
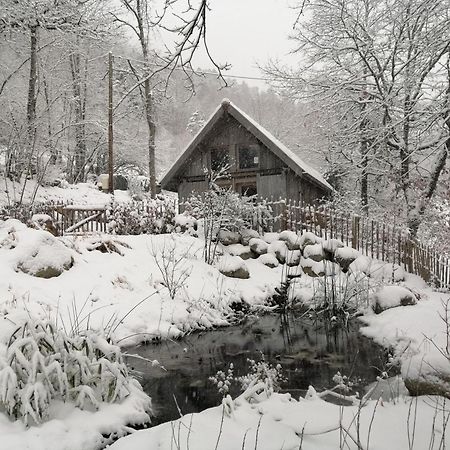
x: 391, y: 297
x: 35, y: 252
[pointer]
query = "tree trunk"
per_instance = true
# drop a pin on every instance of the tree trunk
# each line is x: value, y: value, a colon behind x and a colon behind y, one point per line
x: 79, y: 108
x: 364, y: 152
x: 151, y: 137
x: 31, y: 101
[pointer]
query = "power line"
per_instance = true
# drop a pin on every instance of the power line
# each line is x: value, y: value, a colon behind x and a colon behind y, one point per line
x: 203, y: 72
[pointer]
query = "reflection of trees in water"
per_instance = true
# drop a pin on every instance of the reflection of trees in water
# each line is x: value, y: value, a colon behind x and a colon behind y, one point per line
x: 311, y: 352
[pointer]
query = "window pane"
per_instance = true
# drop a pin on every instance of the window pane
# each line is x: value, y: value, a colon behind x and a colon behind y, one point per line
x: 248, y: 157
x: 248, y: 190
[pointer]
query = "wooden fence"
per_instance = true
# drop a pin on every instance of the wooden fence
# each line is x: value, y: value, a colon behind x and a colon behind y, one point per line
x: 135, y: 217
x: 388, y: 243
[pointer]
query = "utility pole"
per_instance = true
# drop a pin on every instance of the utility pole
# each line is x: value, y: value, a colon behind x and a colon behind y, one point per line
x: 110, y: 125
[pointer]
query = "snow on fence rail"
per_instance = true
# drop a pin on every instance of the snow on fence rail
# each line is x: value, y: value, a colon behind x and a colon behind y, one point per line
x: 374, y: 239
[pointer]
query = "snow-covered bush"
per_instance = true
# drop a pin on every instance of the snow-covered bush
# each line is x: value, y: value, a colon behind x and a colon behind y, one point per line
x: 152, y: 217
x: 222, y: 209
x: 341, y: 293
x: 262, y: 377
x: 263, y: 372
x: 42, y: 363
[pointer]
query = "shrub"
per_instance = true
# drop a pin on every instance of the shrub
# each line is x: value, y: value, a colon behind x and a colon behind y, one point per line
x: 43, y: 363
x: 222, y: 209
x: 146, y: 217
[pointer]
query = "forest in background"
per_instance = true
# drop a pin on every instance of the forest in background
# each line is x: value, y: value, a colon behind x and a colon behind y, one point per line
x: 367, y: 104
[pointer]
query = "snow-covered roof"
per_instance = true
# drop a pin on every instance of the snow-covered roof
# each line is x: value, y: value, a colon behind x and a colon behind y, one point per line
x: 292, y: 160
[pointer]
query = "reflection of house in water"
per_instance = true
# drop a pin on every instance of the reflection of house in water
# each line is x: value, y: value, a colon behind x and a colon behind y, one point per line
x: 256, y: 162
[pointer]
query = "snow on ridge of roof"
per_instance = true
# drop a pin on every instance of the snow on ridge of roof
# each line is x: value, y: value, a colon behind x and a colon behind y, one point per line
x: 289, y: 153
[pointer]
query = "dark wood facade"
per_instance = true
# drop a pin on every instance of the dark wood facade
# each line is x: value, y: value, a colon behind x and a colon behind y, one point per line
x: 257, y: 162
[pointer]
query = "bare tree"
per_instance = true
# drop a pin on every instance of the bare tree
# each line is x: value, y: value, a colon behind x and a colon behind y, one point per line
x: 190, y: 32
x: 386, y: 61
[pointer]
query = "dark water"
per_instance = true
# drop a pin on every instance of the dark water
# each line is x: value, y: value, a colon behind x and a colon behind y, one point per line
x: 309, y: 353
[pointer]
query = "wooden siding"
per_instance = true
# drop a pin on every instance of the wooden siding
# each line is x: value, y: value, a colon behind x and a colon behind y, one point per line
x: 272, y: 186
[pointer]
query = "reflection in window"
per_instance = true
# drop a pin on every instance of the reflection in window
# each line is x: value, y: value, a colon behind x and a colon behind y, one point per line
x: 220, y: 159
x: 248, y: 156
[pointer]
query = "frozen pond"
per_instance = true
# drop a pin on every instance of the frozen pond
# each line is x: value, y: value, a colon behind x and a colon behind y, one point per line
x: 308, y: 352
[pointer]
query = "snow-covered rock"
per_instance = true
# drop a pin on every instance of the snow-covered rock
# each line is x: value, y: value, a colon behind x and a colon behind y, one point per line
x: 34, y: 252
x: 279, y: 249
x: 312, y: 268
x: 269, y: 260
x: 239, y: 250
x: 248, y: 234
x: 292, y: 239
x: 43, y: 222
x: 258, y: 246
x: 314, y: 252
x: 392, y: 296
x: 229, y: 237
x: 308, y: 238
x: 185, y: 223
x: 233, y: 267
x: 271, y: 237
x: 330, y: 246
x: 293, y: 258
x: 344, y: 256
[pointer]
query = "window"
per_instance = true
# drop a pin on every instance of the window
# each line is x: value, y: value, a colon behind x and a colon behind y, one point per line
x: 248, y: 190
x: 248, y: 156
x: 220, y: 159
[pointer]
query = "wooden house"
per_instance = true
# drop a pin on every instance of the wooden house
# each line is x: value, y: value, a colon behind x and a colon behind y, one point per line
x: 255, y: 161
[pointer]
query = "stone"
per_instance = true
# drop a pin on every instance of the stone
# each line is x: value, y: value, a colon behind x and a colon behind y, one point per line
x: 292, y: 239
x: 314, y: 252
x: 248, y: 234
x: 312, y: 268
x: 233, y: 267
x: 293, y: 258
x: 391, y: 297
x: 279, y: 249
x: 308, y: 238
x: 240, y: 250
x: 43, y: 222
x: 330, y: 246
x: 269, y: 260
x: 270, y: 237
x: 436, y: 385
x: 258, y: 246
x: 344, y: 256
x: 229, y: 237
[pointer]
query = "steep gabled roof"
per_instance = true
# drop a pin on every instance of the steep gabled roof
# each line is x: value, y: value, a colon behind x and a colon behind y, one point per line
x: 293, y: 161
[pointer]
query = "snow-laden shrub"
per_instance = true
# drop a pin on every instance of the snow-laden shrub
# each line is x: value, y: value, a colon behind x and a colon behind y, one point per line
x: 146, y: 217
x: 221, y: 209
x: 261, y: 378
x: 42, y: 363
x: 340, y: 294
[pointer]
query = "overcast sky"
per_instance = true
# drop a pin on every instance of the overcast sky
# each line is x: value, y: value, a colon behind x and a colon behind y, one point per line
x: 245, y: 32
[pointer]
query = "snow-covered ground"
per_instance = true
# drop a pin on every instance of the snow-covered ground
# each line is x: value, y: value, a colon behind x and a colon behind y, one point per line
x: 125, y: 294
x: 280, y: 422
x: 80, y: 194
